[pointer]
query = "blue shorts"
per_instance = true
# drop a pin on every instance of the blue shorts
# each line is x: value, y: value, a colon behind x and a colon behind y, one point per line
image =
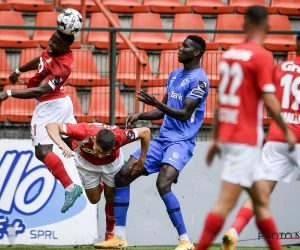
x: 176, y: 154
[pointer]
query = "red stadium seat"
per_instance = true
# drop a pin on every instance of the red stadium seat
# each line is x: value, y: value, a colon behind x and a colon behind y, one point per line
x: 209, y: 64
x: 279, y: 42
x: 147, y: 40
x: 190, y: 21
x: 99, y: 106
x: 229, y: 22
x: 99, y: 39
x: 30, y: 5
x: 167, y: 63
x: 241, y: 6
x: 14, y: 38
x: 291, y: 55
x: 43, y: 36
x: 76, y: 4
x: 5, y: 6
x: 84, y: 73
x: 286, y: 7
x: 167, y: 6
x: 209, y: 6
x: 159, y: 93
x: 17, y: 110
x: 128, y: 6
x: 211, y: 101
x: 5, y: 70
x: 126, y: 70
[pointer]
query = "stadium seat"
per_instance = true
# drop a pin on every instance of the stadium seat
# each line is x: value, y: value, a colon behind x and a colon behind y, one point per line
x: 211, y: 101
x: 167, y: 63
x: 229, y: 22
x: 241, y: 6
x: 147, y: 40
x: 286, y: 7
x: 291, y: 55
x: 5, y: 6
x: 279, y: 42
x: 17, y: 110
x: 99, y: 106
x: 167, y: 6
x: 80, y: 117
x: 43, y: 36
x: 76, y: 4
x: 126, y: 70
x: 14, y: 38
x: 5, y: 70
x: 209, y: 6
x: 190, y: 21
x: 209, y: 64
x: 128, y: 6
x: 159, y: 93
x: 84, y: 73
x: 100, y: 39
x: 30, y: 5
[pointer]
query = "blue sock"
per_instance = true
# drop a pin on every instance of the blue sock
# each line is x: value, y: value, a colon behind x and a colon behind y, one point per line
x: 121, y: 204
x: 173, y: 209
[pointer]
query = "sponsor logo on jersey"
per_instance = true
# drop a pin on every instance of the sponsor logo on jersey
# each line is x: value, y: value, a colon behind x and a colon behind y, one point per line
x: 175, y: 95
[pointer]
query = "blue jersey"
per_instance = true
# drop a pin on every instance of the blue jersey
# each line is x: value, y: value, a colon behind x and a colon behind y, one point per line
x: 181, y: 85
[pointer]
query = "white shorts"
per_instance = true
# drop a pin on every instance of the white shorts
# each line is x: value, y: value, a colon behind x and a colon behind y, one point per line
x: 91, y: 175
x: 57, y: 110
x: 242, y: 163
x: 278, y: 163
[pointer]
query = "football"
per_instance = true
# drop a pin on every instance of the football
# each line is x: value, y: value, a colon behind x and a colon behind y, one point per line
x: 69, y: 21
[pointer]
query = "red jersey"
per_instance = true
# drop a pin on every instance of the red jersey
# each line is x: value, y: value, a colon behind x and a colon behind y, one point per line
x: 55, y: 71
x: 83, y: 133
x: 287, y: 81
x: 246, y: 71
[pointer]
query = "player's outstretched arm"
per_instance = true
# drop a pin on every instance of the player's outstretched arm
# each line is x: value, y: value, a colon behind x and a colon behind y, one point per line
x: 32, y: 65
x: 55, y: 130
x: 273, y: 107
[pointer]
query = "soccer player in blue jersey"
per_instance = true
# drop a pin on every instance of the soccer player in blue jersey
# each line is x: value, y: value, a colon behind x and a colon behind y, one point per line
x: 183, y: 109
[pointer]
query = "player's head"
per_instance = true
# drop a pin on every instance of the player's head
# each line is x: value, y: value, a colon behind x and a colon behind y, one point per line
x: 298, y: 44
x: 104, y: 142
x: 59, y: 43
x: 256, y: 20
x: 192, y: 49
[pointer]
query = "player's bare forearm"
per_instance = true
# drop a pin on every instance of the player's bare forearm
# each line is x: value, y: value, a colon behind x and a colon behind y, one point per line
x: 31, y: 65
x: 31, y: 92
x: 215, y: 134
x: 54, y: 131
x: 154, y: 114
x: 145, y: 136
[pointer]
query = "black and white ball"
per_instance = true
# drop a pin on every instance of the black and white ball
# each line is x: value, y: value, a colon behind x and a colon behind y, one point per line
x: 69, y: 21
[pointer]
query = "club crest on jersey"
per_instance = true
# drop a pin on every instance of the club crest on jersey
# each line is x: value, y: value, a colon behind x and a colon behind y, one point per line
x: 200, y: 90
x: 184, y: 82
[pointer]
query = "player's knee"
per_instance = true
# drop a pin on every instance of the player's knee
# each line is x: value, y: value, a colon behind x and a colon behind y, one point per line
x: 94, y: 200
x: 163, y: 187
x: 121, y: 180
x: 41, y: 154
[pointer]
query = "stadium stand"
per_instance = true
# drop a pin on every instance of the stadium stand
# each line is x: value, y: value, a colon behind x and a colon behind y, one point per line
x: 128, y: 6
x: 85, y: 72
x: 76, y: 4
x: 209, y: 6
x: 149, y: 41
x: 279, y: 42
x: 229, y: 22
x: 43, y: 36
x: 167, y: 6
x: 30, y: 5
x: 190, y: 21
x: 286, y: 7
x: 241, y: 6
x: 99, y: 106
x: 5, y: 70
x: 14, y: 38
x: 291, y: 55
x: 101, y: 40
x: 5, y: 6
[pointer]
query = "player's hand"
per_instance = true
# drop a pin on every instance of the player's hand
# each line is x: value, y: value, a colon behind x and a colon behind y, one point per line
x: 290, y: 139
x: 214, y: 149
x: 3, y: 96
x: 144, y: 97
x: 14, y: 78
x: 137, y: 166
x: 66, y: 151
x: 131, y: 120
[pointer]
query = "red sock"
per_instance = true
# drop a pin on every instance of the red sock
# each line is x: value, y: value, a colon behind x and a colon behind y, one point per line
x: 212, y: 227
x: 267, y: 227
x: 56, y: 167
x: 242, y: 219
x: 110, y: 218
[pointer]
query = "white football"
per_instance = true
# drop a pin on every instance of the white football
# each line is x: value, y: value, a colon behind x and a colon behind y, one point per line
x: 69, y: 21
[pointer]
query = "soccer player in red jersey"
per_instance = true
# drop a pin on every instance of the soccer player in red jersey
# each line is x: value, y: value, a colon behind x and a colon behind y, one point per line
x: 277, y: 161
x: 99, y: 157
x: 54, y: 105
x: 246, y: 83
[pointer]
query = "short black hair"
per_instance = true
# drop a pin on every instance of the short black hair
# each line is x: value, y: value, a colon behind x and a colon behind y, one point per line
x: 106, y: 139
x: 198, y: 40
x: 69, y: 39
x: 256, y: 15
